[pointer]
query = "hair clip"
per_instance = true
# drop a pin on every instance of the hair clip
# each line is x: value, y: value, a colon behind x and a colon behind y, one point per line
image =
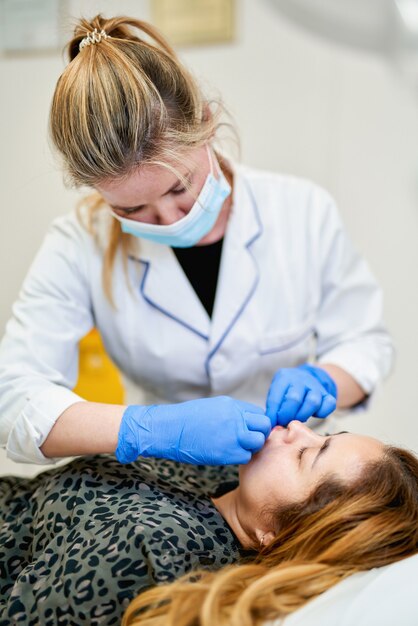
x: 93, y: 37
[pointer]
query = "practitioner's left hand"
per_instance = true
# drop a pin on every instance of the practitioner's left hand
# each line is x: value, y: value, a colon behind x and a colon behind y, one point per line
x: 297, y: 393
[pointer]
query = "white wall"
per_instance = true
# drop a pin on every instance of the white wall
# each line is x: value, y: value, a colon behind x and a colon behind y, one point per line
x: 302, y: 106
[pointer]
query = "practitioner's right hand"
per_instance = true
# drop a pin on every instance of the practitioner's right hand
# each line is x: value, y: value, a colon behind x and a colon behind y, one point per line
x: 209, y: 431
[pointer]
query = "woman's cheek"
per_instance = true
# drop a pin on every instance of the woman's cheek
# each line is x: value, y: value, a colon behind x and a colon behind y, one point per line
x: 187, y: 202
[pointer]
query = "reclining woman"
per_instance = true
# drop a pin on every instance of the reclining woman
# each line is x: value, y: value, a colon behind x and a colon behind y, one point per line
x: 78, y: 543
x: 315, y: 511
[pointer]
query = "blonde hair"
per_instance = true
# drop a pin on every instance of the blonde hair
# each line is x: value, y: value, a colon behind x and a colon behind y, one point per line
x: 122, y: 103
x: 337, y: 531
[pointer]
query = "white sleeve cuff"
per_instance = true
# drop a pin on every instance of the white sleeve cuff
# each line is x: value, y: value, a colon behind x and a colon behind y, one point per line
x: 365, y: 371
x: 35, y: 422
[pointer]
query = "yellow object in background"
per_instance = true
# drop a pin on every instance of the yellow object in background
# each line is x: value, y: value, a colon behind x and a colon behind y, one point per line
x: 99, y: 379
x: 195, y: 22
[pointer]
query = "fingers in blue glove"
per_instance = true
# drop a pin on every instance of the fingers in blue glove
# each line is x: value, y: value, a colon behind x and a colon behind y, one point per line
x: 312, y: 402
x: 254, y: 431
x: 329, y: 404
x: 203, y: 431
x: 323, y: 377
x: 251, y: 440
x: 241, y: 458
x: 275, y: 397
x: 298, y: 393
x: 258, y: 422
x: 248, y: 406
x: 237, y: 456
x: 292, y: 402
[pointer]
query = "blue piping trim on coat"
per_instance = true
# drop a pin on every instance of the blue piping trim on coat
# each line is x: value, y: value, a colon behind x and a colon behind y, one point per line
x: 153, y: 304
x: 290, y: 344
x: 253, y: 287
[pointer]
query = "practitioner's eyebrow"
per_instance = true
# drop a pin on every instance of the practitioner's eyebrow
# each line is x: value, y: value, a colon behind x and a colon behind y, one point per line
x: 326, y: 445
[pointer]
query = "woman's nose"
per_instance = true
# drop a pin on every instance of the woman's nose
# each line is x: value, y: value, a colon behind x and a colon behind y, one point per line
x: 168, y: 213
x: 296, y: 431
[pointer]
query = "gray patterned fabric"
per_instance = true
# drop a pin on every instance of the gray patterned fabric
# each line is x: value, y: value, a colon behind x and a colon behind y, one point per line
x: 79, y: 542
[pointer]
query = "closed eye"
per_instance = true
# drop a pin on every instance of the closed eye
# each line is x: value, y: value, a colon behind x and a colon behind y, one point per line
x: 323, y: 447
x: 182, y: 188
x: 178, y: 191
x: 132, y: 211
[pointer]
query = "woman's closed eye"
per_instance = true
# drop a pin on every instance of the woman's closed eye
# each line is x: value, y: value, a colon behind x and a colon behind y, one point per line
x: 182, y: 188
x: 132, y: 211
x: 178, y: 191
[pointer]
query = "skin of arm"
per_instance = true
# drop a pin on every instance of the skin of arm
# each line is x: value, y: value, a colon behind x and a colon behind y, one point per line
x: 85, y: 428
x: 349, y: 391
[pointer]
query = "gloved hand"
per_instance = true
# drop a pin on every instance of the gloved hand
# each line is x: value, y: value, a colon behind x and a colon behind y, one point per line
x: 297, y: 393
x: 209, y: 431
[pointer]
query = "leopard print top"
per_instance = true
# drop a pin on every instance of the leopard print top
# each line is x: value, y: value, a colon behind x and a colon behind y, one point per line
x: 80, y: 541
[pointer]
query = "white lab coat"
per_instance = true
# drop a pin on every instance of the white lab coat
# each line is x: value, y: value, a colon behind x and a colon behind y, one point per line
x: 290, y: 288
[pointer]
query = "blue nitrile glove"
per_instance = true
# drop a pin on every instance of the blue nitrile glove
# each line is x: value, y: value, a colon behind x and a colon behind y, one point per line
x: 209, y: 431
x: 297, y: 393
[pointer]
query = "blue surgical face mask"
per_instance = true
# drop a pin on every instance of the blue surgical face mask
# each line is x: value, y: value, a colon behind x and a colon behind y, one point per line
x: 191, y: 228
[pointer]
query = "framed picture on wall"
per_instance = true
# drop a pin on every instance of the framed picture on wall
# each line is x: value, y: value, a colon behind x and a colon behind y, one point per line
x: 194, y: 22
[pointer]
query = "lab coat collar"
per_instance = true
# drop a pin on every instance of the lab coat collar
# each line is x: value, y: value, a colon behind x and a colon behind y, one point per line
x: 239, y: 273
x: 166, y: 288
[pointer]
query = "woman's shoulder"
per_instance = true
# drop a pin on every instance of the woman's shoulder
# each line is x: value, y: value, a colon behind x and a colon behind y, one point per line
x: 290, y: 189
x: 287, y: 203
x: 82, y: 227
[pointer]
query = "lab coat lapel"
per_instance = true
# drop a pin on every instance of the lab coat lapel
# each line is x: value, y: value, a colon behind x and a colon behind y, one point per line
x: 165, y: 287
x: 238, y: 277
